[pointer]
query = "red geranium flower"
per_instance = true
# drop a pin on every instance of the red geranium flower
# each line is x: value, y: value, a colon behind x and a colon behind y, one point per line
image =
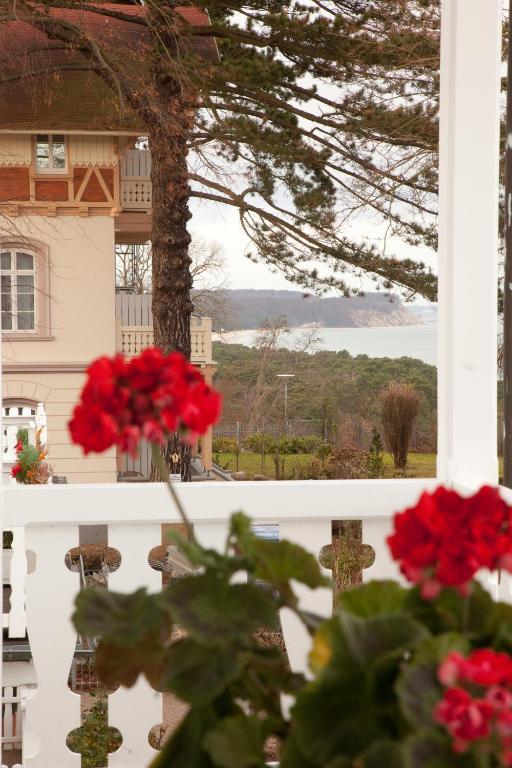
x: 465, y: 718
x: 149, y: 396
x: 446, y: 538
x: 482, y: 711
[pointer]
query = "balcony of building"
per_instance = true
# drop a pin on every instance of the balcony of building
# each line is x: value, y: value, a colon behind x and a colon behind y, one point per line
x: 134, y: 222
x: 134, y: 329
x: 134, y: 334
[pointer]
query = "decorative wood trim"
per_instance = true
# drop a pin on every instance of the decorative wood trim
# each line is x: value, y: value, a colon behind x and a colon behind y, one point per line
x: 45, y: 367
x: 106, y: 191
x: 83, y: 185
x: 25, y: 336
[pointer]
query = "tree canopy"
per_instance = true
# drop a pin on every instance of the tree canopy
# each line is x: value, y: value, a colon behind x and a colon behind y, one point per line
x: 314, y: 113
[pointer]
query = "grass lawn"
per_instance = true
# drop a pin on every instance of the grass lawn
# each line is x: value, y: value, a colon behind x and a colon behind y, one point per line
x: 420, y: 464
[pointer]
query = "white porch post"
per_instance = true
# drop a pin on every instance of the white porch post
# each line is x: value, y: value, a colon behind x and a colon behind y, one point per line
x: 468, y: 239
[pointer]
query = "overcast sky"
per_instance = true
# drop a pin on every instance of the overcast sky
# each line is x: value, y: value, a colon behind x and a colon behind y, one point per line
x: 219, y: 223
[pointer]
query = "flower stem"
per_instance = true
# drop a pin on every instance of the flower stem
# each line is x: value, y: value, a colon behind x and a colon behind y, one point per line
x: 163, y: 471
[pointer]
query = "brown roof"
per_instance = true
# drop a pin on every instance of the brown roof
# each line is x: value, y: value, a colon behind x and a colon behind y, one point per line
x: 46, y: 85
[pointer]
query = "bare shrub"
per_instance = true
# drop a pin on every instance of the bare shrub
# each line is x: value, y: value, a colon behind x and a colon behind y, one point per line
x: 400, y: 404
x: 340, y: 464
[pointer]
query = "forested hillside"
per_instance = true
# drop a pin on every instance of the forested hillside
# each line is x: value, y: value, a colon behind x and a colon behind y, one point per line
x: 332, y: 394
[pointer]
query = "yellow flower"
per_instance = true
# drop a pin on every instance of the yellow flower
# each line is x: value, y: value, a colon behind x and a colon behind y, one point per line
x: 321, y: 652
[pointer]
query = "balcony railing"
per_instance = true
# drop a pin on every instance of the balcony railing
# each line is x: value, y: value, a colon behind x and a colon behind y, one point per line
x: 136, y: 194
x: 135, y: 173
x: 133, y: 339
x: 47, y: 522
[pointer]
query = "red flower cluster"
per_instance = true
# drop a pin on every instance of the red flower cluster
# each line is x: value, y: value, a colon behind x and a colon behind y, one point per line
x: 484, y: 712
x: 16, y: 468
x: 446, y: 538
x: 149, y: 396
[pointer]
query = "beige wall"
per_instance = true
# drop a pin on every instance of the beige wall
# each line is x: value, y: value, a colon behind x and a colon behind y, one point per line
x: 82, y: 289
x: 82, y: 326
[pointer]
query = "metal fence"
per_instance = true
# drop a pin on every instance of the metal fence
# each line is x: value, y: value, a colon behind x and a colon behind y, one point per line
x: 295, y: 428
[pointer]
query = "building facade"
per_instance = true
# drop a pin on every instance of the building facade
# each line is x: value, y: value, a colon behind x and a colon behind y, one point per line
x: 73, y: 183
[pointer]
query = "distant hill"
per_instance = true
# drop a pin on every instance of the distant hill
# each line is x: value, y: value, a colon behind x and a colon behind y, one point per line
x: 246, y: 308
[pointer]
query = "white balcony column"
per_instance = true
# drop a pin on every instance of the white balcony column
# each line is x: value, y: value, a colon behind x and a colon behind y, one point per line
x: 468, y: 239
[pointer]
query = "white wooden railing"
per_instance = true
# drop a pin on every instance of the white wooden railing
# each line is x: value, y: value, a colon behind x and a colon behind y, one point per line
x: 49, y: 518
x: 135, y: 172
x: 133, y: 339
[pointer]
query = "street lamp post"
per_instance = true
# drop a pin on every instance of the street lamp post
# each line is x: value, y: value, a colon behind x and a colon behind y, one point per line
x: 286, y: 378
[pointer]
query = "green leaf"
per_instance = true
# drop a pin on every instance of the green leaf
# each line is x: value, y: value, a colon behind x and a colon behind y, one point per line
x: 476, y: 616
x: 122, y: 665
x: 373, y: 599
x: 370, y: 638
x: 382, y: 754
x: 276, y: 562
x: 237, y: 742
x: 199, y: 673
x: 334, y: 716
x: 280, y: 561
x: 214, y: 611
x: 185, y: 747
x: 200, y: 557
x: 119, y: 618
x: 418, y: 688
x: 429, y: 748
x: 292, y: 757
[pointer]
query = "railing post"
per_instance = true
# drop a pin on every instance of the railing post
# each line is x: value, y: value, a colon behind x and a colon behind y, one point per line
x: 471, y: 40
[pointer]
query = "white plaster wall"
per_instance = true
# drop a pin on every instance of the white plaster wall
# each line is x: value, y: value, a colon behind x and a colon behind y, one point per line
x: 82, y: 289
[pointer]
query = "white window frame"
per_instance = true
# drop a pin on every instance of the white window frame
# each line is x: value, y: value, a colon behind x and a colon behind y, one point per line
x: 14, y: 273
x: 51, y: 170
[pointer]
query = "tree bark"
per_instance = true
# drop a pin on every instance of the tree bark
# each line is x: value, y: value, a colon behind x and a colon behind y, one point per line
x: 172, y: 281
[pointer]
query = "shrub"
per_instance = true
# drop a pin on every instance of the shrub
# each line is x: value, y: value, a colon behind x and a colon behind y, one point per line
x: 260, y: 443
x: 324, y: 450
x: 224, y: 445
x: 95, y: 739
x: 400, y: 403
x: 375, y: 457
x: 340, y: 464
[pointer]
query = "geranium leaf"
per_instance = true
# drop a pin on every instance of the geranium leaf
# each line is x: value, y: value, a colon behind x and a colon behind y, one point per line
x: 428, y: 748
x: 374, y: 598
x: 122, y: 665
x: 383, y: 753
x: 237, y: 742
x: 292, y: 757
x: 276, y: 562
x: 418, y: 688
x: 119, y: 618
x: 197, y: 673
x: 185, y: 747
x: 333, y: 716
x: 370, y: 638
x: 214, y: 611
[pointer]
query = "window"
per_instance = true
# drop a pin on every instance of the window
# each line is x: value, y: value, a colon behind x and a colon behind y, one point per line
x: 50, y: 153
x: 17, y: 283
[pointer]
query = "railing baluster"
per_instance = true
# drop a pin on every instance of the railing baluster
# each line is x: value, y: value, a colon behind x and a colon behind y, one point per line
x: 17, y: 580
x: 136, y: 710
x: 54, y: 710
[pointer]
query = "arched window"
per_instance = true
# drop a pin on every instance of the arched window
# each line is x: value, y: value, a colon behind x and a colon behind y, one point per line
x: 24, y: 288
x: 18, y: 284
x: 16, y: 416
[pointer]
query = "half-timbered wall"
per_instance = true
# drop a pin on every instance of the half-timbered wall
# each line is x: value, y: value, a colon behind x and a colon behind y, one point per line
x: 90, y: 184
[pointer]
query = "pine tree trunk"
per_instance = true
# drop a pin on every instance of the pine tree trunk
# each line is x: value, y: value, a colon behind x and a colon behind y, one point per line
x: 172, y: 281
